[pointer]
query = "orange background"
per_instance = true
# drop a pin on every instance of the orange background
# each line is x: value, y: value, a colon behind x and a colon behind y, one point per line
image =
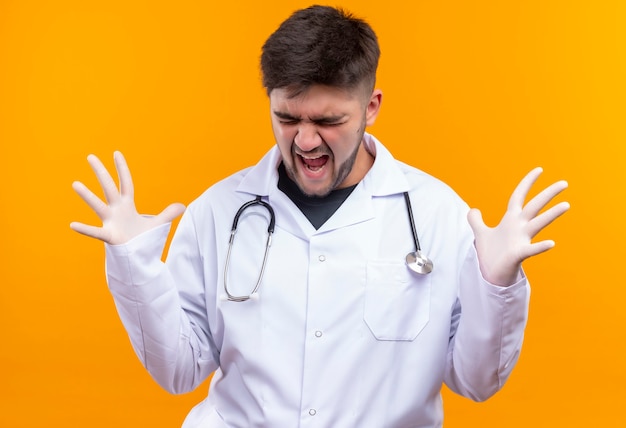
x: 476, y: 93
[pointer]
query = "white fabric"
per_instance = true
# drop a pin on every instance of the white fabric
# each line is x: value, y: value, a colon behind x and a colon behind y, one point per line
x: 343, y: 334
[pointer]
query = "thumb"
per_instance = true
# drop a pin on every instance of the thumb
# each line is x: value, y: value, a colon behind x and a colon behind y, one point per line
x: 475, y: 219
x: 171, y: 212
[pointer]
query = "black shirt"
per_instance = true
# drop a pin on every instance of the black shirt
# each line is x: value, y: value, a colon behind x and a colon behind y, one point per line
x: 316, y: 209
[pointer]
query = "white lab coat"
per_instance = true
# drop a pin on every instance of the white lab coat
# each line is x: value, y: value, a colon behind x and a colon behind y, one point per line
x: 343, y: 333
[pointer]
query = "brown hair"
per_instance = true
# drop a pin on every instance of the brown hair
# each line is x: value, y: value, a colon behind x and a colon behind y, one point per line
x: 320, y: 45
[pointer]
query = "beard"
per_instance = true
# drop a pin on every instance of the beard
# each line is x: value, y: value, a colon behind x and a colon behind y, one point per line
x: 342, y: 172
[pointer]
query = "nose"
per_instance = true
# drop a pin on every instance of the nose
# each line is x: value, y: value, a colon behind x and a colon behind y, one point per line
x: 307, y: 137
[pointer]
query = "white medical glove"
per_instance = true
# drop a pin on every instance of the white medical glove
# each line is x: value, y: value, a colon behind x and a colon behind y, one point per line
x: 502, y: 249
x: 120, y: 220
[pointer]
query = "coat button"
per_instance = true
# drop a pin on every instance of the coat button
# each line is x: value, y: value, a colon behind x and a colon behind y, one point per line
x: 312, y: 412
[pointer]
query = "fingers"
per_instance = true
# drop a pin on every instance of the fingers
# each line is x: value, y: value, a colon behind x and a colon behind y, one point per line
x: 104, y: 178
x: 544, y: 219
x: 475, y: 220
x: 94, y: 202
x: 537, y: 248
x: 516, y: 202
x: 123, y: 173
x: 91, y: 231
x: 537, y: 203
x: 171, y: 212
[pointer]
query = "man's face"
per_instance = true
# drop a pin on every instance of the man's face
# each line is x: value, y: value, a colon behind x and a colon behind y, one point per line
x: 319, y: 135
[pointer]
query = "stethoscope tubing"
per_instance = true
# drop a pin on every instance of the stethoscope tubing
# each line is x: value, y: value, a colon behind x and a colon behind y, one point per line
x: 412, y: 221
x: 268, y: 243
x: 416, y: 261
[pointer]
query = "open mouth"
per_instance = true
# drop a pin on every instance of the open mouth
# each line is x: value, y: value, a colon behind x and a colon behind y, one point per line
x: 314, y: 164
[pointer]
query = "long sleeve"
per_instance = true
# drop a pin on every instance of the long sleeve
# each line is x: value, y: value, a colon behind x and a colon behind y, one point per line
x: 488, y: 330
x: 173, y: 345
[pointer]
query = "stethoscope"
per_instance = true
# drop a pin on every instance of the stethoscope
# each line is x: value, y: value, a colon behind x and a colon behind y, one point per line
x: 233, y: 231
x: 416, y: 260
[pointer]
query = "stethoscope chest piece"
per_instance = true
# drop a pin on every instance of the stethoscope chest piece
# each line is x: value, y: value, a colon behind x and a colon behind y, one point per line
x: 419, y: 263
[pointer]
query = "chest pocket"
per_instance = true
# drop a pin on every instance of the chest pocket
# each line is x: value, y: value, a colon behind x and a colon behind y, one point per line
x: 397, y: 301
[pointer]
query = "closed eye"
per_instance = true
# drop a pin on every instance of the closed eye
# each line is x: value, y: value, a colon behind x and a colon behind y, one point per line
x: 328, y: 123
x: 288, y: 122
x: 285, y: 118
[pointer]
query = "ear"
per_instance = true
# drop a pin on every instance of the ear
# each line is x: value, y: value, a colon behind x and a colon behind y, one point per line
x: 373, y: 107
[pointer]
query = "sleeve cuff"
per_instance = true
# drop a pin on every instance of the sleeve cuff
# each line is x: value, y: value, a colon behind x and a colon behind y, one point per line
x: 138, y: 260
x: 498, y: 290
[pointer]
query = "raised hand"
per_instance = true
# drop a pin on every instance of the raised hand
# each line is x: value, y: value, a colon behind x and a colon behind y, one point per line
x: 503, y: 248
x: 120, y: 220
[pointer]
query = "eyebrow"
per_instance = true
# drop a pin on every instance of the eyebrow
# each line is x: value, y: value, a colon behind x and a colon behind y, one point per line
x: 321, y: 119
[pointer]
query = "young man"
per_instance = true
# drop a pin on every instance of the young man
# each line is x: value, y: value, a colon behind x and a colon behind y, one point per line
x: 328, y: 326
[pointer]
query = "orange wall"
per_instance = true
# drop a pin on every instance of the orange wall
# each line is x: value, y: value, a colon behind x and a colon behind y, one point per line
x: 476, y: 93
